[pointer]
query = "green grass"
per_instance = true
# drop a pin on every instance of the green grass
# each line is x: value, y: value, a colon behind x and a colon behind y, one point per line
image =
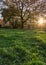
x: 22, y: 47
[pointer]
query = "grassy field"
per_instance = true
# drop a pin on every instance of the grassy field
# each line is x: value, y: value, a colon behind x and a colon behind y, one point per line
x: 22, y: 47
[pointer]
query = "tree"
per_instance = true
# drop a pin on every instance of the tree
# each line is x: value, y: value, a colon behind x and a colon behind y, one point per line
x: 9, y: 15
x: 25, y: 9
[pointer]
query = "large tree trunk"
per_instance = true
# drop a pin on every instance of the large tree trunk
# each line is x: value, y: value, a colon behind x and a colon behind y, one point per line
x: 22, y: 25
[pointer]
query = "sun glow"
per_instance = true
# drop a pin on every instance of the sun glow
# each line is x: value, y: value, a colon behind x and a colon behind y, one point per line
x: 40, y: 21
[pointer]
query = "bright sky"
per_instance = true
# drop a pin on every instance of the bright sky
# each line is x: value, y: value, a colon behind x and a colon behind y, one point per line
x: 1, y: 16
x: 2, y: 6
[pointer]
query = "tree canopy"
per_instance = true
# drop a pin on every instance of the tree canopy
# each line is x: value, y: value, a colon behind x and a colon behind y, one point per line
x: 23, y: 10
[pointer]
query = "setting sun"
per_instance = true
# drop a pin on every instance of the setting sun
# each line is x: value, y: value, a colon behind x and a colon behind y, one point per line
x: 40, y: 21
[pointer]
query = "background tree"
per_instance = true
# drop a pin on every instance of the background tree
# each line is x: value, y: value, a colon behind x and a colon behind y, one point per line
x: 9, y: 15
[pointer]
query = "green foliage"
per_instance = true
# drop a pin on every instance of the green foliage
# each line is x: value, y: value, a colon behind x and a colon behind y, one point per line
x: 9, y: 15
x: 22, y: 47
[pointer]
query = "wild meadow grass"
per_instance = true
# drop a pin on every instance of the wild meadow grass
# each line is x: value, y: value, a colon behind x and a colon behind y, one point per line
x: 22, y: 47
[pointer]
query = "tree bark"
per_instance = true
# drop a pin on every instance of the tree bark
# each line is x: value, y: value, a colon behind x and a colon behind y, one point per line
x: 22, y: 25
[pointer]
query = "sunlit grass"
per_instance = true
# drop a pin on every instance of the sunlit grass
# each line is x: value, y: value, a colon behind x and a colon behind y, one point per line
x: 22, y: 47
